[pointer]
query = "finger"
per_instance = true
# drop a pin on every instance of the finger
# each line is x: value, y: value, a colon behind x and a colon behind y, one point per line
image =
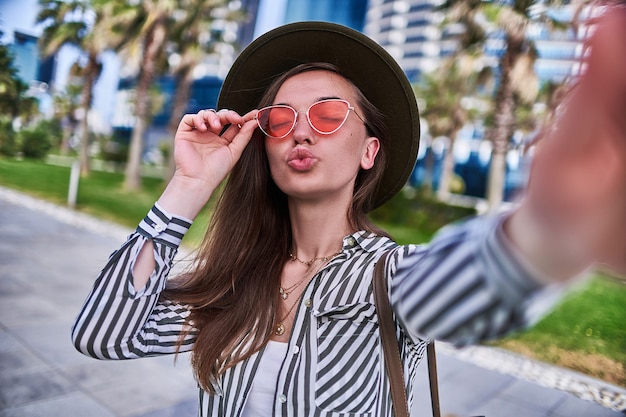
x: 230, y: 117
x: 212, y: 119
x: 237, y: 122
x: 251, y: 115
x: 203, y: 119
x: 187, y: 123
x: 241, y: 139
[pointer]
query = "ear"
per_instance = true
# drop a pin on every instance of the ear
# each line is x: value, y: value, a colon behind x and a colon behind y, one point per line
x: 372, y: 145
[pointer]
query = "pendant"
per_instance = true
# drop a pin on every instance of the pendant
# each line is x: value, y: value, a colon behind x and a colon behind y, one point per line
x: 280, y: 329
x: 283, y: 293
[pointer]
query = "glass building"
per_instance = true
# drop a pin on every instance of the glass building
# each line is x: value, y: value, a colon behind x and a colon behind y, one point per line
x: 412, y: 31
x: 350, y: 13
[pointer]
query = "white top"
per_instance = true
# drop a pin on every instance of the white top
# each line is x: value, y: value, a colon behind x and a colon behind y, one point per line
x: 261, y: 398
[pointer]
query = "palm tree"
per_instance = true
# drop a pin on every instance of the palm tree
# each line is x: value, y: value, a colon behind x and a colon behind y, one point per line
x: 144, y: 26
x: 445, y: 92
x: 65, y: 105
x: 193, y: 38
x: 73, y: 22
x: 517, y: 80
x: 12, y: 89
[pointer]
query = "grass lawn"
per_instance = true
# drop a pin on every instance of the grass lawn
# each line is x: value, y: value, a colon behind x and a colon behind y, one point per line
x: 101, y: 194
x: 586, y: 332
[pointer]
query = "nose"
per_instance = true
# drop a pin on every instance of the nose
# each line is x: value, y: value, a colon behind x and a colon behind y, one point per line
x: 302, y: 131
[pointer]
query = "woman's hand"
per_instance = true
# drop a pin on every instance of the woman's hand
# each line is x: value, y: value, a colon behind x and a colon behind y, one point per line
x: 575, y: 212
x: 204, y: 157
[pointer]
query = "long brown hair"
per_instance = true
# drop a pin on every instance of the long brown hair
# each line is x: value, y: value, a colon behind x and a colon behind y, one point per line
x: 233, y: 286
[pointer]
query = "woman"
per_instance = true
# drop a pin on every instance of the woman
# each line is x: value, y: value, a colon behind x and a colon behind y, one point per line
x: 277, y: 309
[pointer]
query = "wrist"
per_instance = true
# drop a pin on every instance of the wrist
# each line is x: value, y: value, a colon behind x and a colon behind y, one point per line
x: 546, y: 244
x: 184, y: 197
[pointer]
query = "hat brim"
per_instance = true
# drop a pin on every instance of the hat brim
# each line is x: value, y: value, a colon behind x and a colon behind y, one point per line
x: 360, y: 59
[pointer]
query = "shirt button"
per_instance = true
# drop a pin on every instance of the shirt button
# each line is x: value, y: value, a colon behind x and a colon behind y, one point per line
x: 351, y: 241
x: 282, y: 398
x: 296, y: 350
x: 158, y: 228
x: 308, y: 302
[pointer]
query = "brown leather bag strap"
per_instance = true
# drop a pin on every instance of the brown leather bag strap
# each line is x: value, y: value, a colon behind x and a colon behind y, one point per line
x: 387, y: 327
x: 432, y: 376
x: 393, y: 363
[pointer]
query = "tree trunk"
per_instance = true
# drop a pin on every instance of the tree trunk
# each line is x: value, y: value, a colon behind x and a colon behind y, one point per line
x: 183, y: 91
x: 152, y: 46
x: 504, y: 121
x: 91, y: 74
x: 68, y: 132
x: 447, y: 170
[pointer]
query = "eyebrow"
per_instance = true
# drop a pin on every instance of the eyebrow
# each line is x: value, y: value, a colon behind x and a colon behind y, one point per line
x: 315, y: 101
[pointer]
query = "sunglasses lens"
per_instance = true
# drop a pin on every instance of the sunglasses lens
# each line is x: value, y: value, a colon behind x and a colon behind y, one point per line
x: 325, y: 117
x: 328, y: 116
x: 276, y: 121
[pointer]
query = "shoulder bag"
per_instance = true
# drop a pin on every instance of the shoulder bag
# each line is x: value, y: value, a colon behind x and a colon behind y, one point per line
x: 393, y: 363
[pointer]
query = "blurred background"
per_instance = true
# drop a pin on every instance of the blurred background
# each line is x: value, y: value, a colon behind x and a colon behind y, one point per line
x: 96, y: 88
x: 99, y: 66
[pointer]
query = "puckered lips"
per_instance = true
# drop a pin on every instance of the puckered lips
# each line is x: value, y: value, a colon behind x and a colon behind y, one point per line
x: 301, y: 159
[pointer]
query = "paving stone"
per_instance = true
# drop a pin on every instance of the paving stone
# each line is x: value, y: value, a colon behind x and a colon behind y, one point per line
x: 574, y: 407
x: 504, y: 407
x: 75, y: 404
x: 532, y: 395
x: 186, y: 408
x: 18, y: 387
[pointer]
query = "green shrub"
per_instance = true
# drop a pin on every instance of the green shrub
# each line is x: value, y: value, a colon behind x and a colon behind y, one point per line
x: 112, y: 149
x: 53, y: 130
x: 35, y: 143
x: 417, y: 210
x: 8, y: 144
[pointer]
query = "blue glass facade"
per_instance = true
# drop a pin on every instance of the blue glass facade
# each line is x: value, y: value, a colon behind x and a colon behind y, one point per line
x: 346, y: 12
x: 204, y: 92
x: 27, y: 59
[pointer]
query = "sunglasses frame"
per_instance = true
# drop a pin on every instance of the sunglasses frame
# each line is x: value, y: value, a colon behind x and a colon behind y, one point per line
x: 308, y: 118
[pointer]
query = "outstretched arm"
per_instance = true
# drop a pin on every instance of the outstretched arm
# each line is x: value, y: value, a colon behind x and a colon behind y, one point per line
x: 574, y: 215
x: 480, y: 280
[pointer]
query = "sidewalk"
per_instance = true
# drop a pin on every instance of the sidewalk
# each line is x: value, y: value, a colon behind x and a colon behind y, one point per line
x: 49, y: 257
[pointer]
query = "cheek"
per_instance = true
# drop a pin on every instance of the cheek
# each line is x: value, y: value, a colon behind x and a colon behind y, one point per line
x: 272, y: 150
x: 348, y: 158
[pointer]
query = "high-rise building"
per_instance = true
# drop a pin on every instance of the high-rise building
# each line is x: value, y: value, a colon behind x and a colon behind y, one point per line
x: 273, y: 13
x: 412, y: 31
x: 350, y: 13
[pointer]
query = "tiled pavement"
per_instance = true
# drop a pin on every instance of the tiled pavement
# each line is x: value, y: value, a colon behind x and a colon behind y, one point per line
x: 49, y: 257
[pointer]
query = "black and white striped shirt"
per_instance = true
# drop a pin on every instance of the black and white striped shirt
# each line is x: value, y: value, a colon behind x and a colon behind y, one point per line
x: 463, y: 287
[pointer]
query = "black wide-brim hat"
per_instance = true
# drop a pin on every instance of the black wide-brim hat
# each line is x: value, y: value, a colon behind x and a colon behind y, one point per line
x: 360, y: 59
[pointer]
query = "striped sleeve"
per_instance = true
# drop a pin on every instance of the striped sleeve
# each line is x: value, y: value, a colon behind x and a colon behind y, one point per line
x: 117, y: 322
x: 466, y: 286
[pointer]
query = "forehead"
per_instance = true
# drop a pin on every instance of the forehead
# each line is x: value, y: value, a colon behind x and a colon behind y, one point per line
x: 315, y: 85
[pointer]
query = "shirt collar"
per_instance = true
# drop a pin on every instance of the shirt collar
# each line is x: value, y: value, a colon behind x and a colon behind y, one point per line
x: 366, y: 241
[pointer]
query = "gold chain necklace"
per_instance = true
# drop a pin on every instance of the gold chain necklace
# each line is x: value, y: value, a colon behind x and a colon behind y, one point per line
x: 310, y: 262
x: 279, y: 330
x: 284, y: 292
